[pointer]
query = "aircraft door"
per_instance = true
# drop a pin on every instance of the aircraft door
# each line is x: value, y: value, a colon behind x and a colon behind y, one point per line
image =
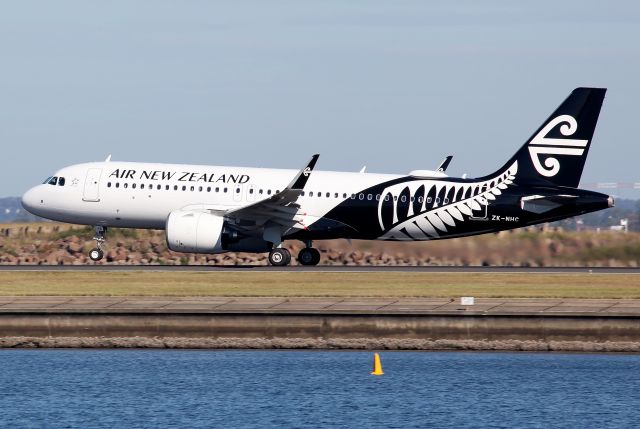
x: 92, y: 185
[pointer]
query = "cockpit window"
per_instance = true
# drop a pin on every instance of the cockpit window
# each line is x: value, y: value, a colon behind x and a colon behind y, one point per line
x: 47, y: 180
x: 53, y: 181
x: 61, y: 181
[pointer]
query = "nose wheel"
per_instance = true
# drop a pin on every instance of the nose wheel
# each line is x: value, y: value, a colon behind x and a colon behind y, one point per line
x: 309, y: 256
x: 279, y: 257
x: 96, y: 253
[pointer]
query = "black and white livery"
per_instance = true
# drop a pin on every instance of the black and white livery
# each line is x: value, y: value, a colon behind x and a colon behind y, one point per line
x: 213, y: 209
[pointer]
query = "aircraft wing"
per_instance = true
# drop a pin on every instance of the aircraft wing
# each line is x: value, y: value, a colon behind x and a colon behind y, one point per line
x: 280, y: 208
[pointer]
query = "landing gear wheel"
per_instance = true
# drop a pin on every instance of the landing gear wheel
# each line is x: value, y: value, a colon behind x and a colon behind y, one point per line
x: 309, y: 256
x: 279, y: 257
x: 96, y: 254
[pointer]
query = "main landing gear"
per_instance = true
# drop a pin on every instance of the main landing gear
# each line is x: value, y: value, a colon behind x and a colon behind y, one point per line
x: 96, y: 253
x: 280, y: 257
x: 309, y: 256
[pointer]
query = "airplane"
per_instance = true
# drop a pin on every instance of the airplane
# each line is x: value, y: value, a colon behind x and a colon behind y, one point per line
x: 215, y: 209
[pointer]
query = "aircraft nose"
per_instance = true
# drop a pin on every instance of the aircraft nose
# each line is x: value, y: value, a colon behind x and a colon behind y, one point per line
x: 31, y: 200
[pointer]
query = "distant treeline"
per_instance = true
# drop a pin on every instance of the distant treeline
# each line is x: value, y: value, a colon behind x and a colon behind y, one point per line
x: 604, y: 219
x: 11, y: 210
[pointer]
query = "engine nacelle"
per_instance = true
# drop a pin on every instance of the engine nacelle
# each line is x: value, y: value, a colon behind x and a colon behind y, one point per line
x: 195, y: 232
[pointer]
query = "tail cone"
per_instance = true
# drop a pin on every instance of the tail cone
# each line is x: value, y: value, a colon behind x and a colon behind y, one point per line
x: 377, y: 365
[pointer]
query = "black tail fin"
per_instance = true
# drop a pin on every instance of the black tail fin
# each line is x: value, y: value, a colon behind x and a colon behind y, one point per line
x: 557, y: 151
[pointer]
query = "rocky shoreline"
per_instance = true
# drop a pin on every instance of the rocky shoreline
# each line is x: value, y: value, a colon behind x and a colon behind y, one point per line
x: 320, y: 344
x: 51, y: 243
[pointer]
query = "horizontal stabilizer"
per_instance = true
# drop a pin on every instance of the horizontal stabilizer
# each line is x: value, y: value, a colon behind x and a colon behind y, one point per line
x: 541, y: 204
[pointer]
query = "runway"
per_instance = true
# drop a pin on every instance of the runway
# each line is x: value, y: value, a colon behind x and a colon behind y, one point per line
x: 327, y: 268
x: 323, y: 306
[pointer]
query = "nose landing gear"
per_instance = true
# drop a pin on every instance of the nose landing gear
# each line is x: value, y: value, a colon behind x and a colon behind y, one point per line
x: 96, y: 253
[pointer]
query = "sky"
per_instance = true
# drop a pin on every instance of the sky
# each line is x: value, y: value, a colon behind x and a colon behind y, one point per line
x: 393, y: 85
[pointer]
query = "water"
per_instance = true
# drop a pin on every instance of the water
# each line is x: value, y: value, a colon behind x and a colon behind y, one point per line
x: 287, y: 389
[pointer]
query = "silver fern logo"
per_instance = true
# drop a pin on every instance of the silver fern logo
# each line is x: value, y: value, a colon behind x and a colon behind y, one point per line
x: 430, y: 209
x: 541, y: 145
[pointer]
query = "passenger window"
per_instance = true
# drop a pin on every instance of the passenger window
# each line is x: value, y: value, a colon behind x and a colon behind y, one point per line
x: 159, y: 187
x: 369, y: 197
x: 126, y: 185
x: 184, y: 188
x: 446, y: 200
x: 412, y: 199
x: 117, y: 184
x: 403, y: 198
x: 193, y: 188
x: 277, y: 191
x: 208, y: 188
x: 386, y: 197
x: 377, y: 197
x: 319, y: 194
x: 61, y: 181
x: 438, y: 200
x: 361, y: 197
x: 429, y: 200
x: 167, y: 187
x: 395, y: 198
x: 251, y: 190
x: 217, y: 189
x: 328, y: 194
x: 199, y: 188
x: 175, y: 187
x: 419, y: 199
x: 142, y: 186
x: 311, y: 194
x: 225, y: 190
x: 302, y: 194
x: 237, y: 190
x: 336, y: 195
x: 260, y: 192
x: 133, y: 186
x: 269, y: 192
x: 108, y: 184
x: 353, y: 196
x: 151, y: 186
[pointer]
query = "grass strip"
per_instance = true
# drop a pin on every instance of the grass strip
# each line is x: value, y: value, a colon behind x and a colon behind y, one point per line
x: 285, y: 284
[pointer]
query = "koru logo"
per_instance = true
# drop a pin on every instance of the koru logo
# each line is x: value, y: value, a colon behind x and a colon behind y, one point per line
x: 542, y: 145
x: 306, y: 172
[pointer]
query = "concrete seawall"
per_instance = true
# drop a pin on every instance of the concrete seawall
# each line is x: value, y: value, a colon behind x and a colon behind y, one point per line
x: 412, y: 324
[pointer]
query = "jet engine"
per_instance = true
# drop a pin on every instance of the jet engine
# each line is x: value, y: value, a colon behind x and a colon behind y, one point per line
x: 201, y: 232
x: 195, y: 232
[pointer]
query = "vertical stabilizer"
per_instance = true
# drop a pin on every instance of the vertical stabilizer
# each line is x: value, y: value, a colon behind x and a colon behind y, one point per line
x: 557, y: 151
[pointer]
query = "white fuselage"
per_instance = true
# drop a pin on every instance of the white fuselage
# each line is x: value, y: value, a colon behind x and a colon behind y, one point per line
x: 142, y: 195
